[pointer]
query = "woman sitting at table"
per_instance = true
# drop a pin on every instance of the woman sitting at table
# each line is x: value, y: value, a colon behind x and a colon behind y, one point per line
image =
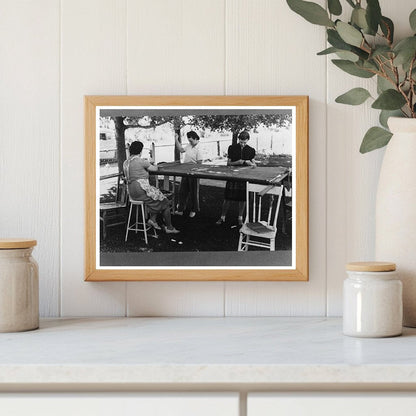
x: 136, y: 171
x: 240, y: 154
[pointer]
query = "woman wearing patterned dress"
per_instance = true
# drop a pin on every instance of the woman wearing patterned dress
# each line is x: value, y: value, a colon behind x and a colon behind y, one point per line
x: 136, y: 171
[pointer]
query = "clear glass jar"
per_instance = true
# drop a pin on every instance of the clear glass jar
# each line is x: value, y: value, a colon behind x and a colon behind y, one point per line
x: 19, y: 286
x: 372, y: 300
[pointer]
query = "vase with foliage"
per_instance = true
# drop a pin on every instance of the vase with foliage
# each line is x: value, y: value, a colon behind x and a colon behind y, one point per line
x: 363, y: 45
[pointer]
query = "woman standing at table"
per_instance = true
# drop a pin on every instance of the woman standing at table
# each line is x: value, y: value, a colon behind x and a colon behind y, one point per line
x: 240, y: 154
x: 136, y: 171
x: 189, y: 189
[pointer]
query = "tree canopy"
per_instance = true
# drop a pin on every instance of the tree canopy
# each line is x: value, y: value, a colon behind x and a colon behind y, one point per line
x: 240, y: 122
x: 235, y: 123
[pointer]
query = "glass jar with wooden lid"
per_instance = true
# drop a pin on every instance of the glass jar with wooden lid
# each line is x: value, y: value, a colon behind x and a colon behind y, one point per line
x: 372, y: 300
x: 19, y: 286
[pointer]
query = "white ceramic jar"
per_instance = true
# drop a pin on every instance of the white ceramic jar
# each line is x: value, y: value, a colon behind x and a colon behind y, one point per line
x: 19, y: 286
x: 372, y: 300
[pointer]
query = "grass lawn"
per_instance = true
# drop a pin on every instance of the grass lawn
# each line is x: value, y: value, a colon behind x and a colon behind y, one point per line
x: 197, y: 234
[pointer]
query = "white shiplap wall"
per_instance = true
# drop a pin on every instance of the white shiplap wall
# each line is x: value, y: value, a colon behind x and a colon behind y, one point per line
x: 262, y: 60
x: 93, y: 58
x: 175, y: 48
x: 55, y: 52
x: 30, y: 137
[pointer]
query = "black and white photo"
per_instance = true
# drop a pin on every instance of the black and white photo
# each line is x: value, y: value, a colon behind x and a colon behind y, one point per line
x: 185, y: 187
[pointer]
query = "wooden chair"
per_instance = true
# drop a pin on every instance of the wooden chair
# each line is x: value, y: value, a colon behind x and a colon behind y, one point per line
x: 113, y: 213
x: 260, y: 226
x: 287, y: 203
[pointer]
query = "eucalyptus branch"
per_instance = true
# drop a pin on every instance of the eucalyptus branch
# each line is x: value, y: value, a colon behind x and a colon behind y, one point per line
x: 386, y: 60
x: 382, y: 35
x: 395, y: 71
x: 412, y: 64
x: 381, y: 64
x: 370, y: 70
x: 406, y: 97
x: 412, y: 84
x: 393, y: 68
x: 403, y: 112
x: 390, y: 44
x: 365, y: 42
x: 369, y: 34
x: 384, y: 73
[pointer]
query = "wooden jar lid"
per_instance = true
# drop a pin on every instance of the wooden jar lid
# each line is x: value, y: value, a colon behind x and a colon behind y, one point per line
x: 11, y: 243
x: 371, y: 266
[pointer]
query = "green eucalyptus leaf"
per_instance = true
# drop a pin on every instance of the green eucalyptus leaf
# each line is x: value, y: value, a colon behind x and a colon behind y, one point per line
x: 387, y: 27
x: 328, y: 51
x: 381, y: 50
x: 371, y: 64
x: 412, y: 20
x: 406, y: 65
x: 349, y: 34
x: 356, y: 96
x: 334, y: 7
x: 352, y: 68
x: 358, y: 18
x: 389, y: 100
x: 386, y: 114
x: 348, y: 56
x: 375, y: 138
x: 373, y: 15
x: 383, y: 84
x: 362, y: 54
x: 311, y: 12
x: 405, y: 50
x: 392, y: 75
x: 405, y: 43
x: 335, y: 40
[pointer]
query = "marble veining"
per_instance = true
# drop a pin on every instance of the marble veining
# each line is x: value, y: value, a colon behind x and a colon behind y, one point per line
x: 203, y: 350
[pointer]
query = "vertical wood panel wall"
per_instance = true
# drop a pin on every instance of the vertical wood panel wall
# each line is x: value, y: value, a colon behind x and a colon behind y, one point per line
x: 93, y: 59
x: 266, y: 56
x: 175, y: 48
x: 30, y: 135
x: 56, y: 51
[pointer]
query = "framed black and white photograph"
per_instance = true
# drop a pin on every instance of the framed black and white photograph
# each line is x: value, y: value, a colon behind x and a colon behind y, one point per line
x: 196, y: 187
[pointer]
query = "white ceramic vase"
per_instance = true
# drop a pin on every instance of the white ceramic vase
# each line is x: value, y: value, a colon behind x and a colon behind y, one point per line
x: 396, y: 210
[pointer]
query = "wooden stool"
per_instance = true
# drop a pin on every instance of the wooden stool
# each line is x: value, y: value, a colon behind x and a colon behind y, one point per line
x: 139, y: 224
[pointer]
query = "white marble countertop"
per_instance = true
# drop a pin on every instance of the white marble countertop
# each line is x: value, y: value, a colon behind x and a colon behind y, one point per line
x: 189, y: 352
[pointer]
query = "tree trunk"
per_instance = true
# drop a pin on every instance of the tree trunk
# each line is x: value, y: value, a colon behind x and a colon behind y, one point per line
x: 177, y: 128
x: 235, y: 136
x: 120, y: 141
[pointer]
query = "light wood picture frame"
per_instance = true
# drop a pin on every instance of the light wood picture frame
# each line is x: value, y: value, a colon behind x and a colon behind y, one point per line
x: 203, y: 250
